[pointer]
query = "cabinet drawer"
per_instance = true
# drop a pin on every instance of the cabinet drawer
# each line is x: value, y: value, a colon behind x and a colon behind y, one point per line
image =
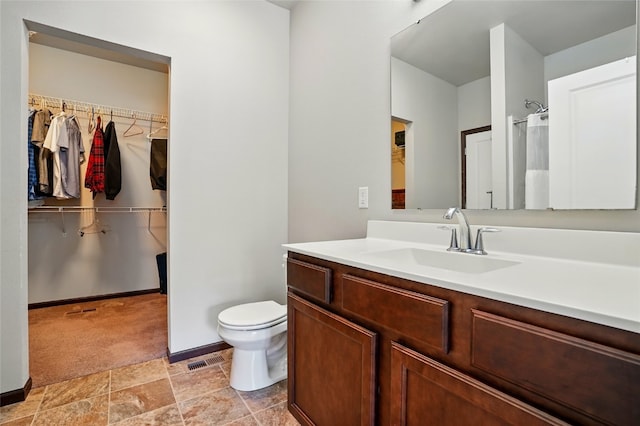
x: 311, y: 280
x: 413, y: 315
x: 602, y: 383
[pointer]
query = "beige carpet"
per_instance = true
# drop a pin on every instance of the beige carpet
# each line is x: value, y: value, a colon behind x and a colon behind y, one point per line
x: 75, y: 340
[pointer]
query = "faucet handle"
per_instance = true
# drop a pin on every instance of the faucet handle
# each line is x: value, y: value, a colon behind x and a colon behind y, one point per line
x: 453, y: 245
x: 479, y: 247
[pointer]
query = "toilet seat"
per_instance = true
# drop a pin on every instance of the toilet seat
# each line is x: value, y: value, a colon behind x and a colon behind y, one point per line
x: 253, y: 316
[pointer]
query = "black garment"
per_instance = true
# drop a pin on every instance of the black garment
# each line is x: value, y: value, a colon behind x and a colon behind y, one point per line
x: 158, y: 164
x: 161, y: 260
x: 112, y: 166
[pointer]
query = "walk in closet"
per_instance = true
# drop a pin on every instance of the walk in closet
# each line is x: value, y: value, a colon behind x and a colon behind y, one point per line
x: 91, y: 245
x: 98, y: 134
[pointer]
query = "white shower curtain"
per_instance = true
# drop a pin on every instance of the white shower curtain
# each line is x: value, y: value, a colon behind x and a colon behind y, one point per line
x: 516, y: 161
x: 537, y: 174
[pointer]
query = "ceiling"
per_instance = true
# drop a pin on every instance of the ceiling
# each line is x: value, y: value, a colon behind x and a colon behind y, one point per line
x: 287, y: 4
x: 453, y: 42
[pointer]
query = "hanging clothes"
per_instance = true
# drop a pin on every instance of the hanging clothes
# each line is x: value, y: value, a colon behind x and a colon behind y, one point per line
x: 113, y: 169
x: 64, y: 140
x: 72, y: 152
x: 33, y: 174
x: 158, y: 164
x: 44, y: 159
x: 94, y: 177
x: 57, y: 132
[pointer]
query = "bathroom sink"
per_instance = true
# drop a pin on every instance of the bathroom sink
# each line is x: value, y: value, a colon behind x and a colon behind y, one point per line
x: 459, y: 262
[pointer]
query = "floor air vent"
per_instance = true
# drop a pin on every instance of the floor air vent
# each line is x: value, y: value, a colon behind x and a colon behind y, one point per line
x: 81, y: 311
x: 216, y: 359
x: 197, y: 364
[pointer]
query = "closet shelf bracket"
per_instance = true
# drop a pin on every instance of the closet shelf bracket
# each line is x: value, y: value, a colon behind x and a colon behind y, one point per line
x: 64, y: 231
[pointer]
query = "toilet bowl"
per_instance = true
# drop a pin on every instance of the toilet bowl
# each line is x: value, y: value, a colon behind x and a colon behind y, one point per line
x: 258, y: 333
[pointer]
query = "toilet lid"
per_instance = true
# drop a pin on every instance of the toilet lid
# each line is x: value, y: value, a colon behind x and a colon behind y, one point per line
x: 251, y: 316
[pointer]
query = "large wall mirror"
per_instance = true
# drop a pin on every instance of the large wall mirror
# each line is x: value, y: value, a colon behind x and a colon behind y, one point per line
x: 516, y: 105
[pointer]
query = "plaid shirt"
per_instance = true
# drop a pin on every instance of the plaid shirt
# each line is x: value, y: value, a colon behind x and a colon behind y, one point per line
x: 94, y: 178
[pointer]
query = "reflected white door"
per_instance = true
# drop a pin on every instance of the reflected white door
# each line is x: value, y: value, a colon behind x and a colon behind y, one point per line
x: 478, y: 173
x: 592, y: 138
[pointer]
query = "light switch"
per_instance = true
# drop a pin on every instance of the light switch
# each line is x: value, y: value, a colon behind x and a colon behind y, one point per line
x: 363, y: 197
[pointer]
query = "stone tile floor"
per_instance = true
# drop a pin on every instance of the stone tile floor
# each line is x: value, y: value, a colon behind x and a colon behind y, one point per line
x: 153, y: 393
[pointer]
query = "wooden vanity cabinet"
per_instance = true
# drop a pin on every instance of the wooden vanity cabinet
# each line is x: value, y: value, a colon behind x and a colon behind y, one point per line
x: 331, y: 367
x: 368, y: 348
x: 426, y: 392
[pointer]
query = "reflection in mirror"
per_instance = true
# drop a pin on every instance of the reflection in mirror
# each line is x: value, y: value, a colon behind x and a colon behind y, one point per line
x: 516, y: 104
x: 398, y: 172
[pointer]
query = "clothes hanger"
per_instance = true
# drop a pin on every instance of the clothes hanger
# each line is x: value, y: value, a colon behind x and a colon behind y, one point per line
x: 63, y: 109
x: 133, y: 130
x: 92, y: 122
x: 152, y: 134
x: 95, y: 227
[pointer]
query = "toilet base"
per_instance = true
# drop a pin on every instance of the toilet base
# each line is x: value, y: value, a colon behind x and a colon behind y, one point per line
x: 250, y: 370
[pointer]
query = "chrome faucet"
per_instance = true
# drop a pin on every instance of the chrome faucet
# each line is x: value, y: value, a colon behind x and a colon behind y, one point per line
x: 465, y: 231
x: 465, y: 234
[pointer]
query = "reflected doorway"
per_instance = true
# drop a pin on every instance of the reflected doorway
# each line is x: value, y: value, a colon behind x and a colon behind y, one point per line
x: 477, y: 187
x: 398, y: 163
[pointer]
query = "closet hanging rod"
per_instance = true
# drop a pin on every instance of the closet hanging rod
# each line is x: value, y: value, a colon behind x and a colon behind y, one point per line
x: 61, y: 209
x: 106, y: 110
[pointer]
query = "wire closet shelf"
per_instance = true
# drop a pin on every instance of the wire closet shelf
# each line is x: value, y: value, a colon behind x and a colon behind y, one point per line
x: 95, y: 209
x: 87, y: 107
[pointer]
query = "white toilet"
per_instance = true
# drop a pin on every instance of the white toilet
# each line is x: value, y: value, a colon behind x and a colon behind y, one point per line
x: 258, y: 333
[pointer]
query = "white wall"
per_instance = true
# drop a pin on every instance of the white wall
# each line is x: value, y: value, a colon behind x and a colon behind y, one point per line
x: 524, y: 80
x: 431, y: 104
x: 608, y: 48
x: 65, y: 266
x: 340, y: 109
x: 228, y: 154
x: 474, y: 104
x: 340, y: 104
x: 517, y: 72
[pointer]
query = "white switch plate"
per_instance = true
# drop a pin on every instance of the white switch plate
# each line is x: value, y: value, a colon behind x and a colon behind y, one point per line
x: 363, y: 197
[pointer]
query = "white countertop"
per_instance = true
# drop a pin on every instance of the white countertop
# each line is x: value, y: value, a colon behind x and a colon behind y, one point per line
x: 591, y: 283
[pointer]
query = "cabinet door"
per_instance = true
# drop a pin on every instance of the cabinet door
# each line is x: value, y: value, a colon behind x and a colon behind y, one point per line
x: 425, y: 392
x: 331, y: 367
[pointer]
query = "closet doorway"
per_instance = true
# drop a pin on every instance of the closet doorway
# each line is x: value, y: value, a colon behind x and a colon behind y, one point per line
x: 97, y: 262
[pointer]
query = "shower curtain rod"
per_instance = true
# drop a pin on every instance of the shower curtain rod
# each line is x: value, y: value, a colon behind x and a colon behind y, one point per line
x: 524, y: 120
x: 106, y: 110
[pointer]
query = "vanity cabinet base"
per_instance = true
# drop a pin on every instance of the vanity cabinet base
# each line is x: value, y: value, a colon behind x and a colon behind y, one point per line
x: 331, y: 367
x: 389, y: 351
